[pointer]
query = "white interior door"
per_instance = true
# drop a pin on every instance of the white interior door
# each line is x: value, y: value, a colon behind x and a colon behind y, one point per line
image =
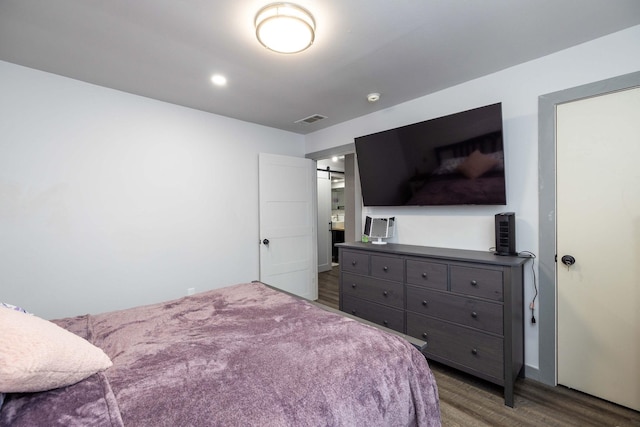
x: 324, y: 221
x: 288, y: 258
x: 598, y: 223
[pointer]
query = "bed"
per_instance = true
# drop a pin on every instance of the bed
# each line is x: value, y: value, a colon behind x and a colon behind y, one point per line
x: 242, y: 355
x: 468, y: 172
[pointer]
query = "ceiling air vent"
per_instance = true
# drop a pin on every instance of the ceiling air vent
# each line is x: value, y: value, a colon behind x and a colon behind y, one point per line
x: 311, y: 119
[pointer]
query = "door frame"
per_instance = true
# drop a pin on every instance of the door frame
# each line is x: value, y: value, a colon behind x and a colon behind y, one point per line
x: 547, y: 325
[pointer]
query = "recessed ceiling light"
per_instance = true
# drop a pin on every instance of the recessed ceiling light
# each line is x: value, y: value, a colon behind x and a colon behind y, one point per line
x: 219, y: 80
x: 373, y: 97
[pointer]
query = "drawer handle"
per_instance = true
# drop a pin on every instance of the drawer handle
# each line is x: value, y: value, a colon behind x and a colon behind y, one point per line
x: 353, y: 285
x: 385, y: 293
x: 474, y: 283
x: 474, y: 351
x: 354, y: 262
x: 474, y: 314
x: 385, y: 268
x: 385, y: 323
x: 353, y: 312
x: 424, y: 335
x: 424, y: 303
x: 424, y: 275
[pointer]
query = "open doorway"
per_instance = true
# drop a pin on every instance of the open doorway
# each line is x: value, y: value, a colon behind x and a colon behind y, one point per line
x: 331, y: 226
x: 328, y: 280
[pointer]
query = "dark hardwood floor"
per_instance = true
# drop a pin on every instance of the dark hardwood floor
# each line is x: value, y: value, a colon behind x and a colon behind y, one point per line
x: 467, y: 401
x: 328, y: 287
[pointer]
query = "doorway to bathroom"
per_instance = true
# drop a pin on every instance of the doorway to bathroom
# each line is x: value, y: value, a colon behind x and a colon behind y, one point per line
x: 331, y: 226
x: 347, y: 214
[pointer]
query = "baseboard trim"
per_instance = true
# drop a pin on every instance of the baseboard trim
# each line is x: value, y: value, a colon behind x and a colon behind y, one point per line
x: 532, y: 372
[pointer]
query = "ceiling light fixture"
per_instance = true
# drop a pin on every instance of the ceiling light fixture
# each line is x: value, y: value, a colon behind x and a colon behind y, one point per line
x: 373, y: 97
x: 285, y: 27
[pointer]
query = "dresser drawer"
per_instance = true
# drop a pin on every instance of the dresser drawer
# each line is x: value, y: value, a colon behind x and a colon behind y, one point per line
x: 389, y: 268
x: 354, y: 262
x: 479, y: 282
x: 382, y: 315
x: 483, y: 315
x: 429, y: 274
x: 376, y: 290
x: 475, y: 350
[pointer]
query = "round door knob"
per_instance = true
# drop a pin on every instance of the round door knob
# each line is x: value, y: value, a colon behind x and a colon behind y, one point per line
x: 474, y: 283
x: 474, y: 314
x: 266, y: 242
x: 385, y: 268
x: 474, y: 351
x: 385, y: 293
x: 424, y: 303
x: 568, y: 260
x: 424, y: 275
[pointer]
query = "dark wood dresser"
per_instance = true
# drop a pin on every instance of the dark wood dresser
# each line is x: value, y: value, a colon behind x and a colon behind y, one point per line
x: 467, y: 305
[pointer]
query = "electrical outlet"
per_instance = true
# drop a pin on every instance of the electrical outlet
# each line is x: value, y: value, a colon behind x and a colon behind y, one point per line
x: 191, y: 291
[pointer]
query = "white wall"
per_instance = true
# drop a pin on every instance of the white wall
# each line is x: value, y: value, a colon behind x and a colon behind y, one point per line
x: 110, y: 200
x: 518, y: 88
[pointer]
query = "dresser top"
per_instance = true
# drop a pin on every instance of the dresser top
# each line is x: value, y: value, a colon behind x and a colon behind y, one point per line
x: 442, y: 253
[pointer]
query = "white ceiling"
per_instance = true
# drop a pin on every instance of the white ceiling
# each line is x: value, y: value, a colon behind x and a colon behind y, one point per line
x: 403, y: 49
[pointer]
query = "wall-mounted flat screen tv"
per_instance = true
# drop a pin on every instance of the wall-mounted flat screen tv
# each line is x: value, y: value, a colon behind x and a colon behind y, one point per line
x: 452, y: 160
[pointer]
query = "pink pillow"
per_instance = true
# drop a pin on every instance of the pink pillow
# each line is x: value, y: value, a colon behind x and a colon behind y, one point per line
x: 37, y: 355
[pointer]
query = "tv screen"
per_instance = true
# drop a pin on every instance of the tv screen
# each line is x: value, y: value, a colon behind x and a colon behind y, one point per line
x: 452, y: 160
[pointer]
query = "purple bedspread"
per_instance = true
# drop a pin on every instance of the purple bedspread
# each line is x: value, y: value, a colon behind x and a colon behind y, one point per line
x: 245, y: 355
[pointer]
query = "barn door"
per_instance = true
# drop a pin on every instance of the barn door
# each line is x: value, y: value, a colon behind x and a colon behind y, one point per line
x: 324, y: 222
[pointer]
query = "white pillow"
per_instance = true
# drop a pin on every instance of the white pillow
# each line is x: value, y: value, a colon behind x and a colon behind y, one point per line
x: 37, y: 355
x: 13, y: 307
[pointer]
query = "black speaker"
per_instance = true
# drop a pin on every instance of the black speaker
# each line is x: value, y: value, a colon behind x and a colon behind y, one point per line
x: 506, y: 233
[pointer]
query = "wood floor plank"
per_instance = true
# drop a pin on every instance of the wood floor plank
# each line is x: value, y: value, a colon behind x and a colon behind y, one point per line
x: 328, y: 288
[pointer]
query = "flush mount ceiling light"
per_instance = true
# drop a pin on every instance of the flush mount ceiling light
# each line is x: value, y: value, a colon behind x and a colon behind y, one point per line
x: 373, y: 97
x: 285, y: 27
